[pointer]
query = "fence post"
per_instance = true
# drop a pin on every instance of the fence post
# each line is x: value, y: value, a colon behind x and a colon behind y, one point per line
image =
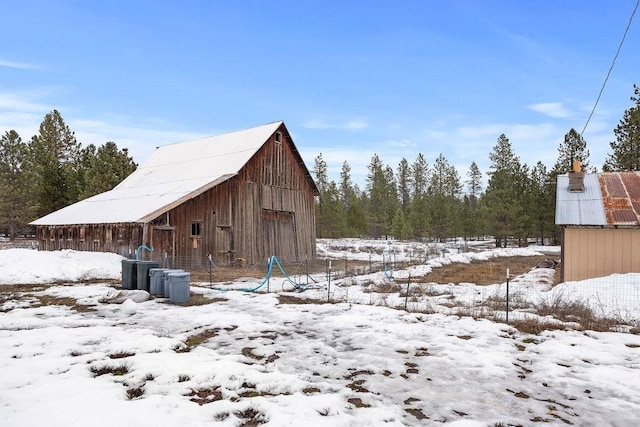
x: 210, y: 272
x: 406, y: 297
x: 507, y: 295
x: 329, y: 283
x: 345, y: 266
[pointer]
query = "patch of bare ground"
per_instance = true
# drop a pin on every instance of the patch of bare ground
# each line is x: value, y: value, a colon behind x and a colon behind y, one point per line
x: 487, y: 272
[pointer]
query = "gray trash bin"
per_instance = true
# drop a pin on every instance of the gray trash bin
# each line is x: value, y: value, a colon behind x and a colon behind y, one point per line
x: 143, y: 280
x: 165, y: 280
x: 156, y: 281
x: 179, y: 287
x: 129, y: 273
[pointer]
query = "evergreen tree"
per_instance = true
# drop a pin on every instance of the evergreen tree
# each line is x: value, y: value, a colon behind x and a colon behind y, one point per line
x: 356, y: 218
x: 503, y: 208
x: 574, y: 147
x: 104, y: 168
x: 403, y: 177
x: 54, y: 153
x: 418, y: 215
x: 322, y: 182
x: 471, y: 213
x: 474, y: 183
x: 16, y: 204
x: 346, y: 187
x: 419, y: 176
x: 332, y: 216
x: 321, y: 174
x: 378, y: 190
x: 444, y: 190
x: 542, y: 206
x: 626, y: 147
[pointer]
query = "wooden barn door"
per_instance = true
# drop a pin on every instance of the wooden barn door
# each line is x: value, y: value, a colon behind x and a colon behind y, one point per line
x: 164, y: 244
x: 279, y: 235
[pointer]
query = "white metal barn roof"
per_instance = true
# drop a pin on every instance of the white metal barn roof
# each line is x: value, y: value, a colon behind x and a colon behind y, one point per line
x: 173, y: 174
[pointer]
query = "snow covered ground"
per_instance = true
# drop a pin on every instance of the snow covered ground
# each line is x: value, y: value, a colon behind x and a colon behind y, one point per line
x: 67, y: 359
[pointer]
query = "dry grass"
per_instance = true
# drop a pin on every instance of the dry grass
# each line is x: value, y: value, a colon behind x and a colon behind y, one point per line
x: 482, y: 272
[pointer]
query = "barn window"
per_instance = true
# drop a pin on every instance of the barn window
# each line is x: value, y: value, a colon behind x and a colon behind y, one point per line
x: 196, y: 228
x: 278, y: 137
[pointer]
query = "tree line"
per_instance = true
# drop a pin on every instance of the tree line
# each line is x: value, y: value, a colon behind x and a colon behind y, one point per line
x: 422, y: 201
x: 53, y: 170
x: 415, y: 200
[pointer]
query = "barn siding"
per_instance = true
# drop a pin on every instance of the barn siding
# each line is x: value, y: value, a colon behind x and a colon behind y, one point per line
x: 122, y: 239
x: 596, y: 252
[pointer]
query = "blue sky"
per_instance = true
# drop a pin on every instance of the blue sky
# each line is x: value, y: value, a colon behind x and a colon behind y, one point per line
x: 349, y: 78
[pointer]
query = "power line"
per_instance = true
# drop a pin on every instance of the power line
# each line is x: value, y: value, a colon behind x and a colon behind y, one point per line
x: 611, y: 68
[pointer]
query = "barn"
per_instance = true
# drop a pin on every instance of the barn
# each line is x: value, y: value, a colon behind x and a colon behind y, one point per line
x: 600, y: 218
x: 241, y: 196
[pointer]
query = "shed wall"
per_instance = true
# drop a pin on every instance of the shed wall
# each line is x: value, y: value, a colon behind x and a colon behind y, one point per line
x: 597, y: 252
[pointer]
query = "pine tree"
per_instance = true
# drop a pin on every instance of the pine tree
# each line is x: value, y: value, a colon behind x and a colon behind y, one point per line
x: 403, y: 177
x: 474, y: 183
x: 332, y: 216
x: 418, y: 215
x: 419, y: 176
x: 626, y: 147
x: 444, y: 190
x: 104, y: 168
x: 16, y: 203
x: 542, y: 206
x: 501, y: 200
x: 574, y: 147
x: 55, y: 153
x: 321, y: 174
x: 378, y: 189
x: 356, y: 217
x: 346, y: 187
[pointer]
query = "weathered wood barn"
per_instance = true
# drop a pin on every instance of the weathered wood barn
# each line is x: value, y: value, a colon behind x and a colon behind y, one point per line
x: 243, y: 195
x: 600, y: 219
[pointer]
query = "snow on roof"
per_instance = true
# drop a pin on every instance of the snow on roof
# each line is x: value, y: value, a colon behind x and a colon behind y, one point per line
x: 174, y: 173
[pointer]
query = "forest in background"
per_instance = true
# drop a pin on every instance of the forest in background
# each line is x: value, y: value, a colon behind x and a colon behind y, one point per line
x: 416, y: 200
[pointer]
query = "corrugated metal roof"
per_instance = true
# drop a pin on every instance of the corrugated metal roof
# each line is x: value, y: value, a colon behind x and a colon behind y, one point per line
x: 608, y: 199
x: 174, y: 173
x: 579, y: 207
x: 621, y: 197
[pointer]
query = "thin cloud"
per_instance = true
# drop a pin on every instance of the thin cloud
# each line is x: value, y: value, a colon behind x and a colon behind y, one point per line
x: 18, y: 65
x: 551, y: 109
x: 355, y: 124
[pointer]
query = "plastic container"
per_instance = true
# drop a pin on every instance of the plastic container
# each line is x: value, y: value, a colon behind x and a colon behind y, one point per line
x: 179, y: 287
x: 143, y: 280
x: 156, y: 281
x: 165, y: 280
x: 129, y: 273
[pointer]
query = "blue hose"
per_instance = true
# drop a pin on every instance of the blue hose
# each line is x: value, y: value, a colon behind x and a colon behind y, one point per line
x: 272, y: 260
x: 142, y: 247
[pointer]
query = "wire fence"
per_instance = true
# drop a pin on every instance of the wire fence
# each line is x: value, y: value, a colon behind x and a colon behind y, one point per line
x: 400, y: 282
x: 400, y: 279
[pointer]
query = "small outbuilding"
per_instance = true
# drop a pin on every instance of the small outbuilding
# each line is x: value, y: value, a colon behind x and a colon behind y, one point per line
x: 600, y: 218
x: 242, y: 196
